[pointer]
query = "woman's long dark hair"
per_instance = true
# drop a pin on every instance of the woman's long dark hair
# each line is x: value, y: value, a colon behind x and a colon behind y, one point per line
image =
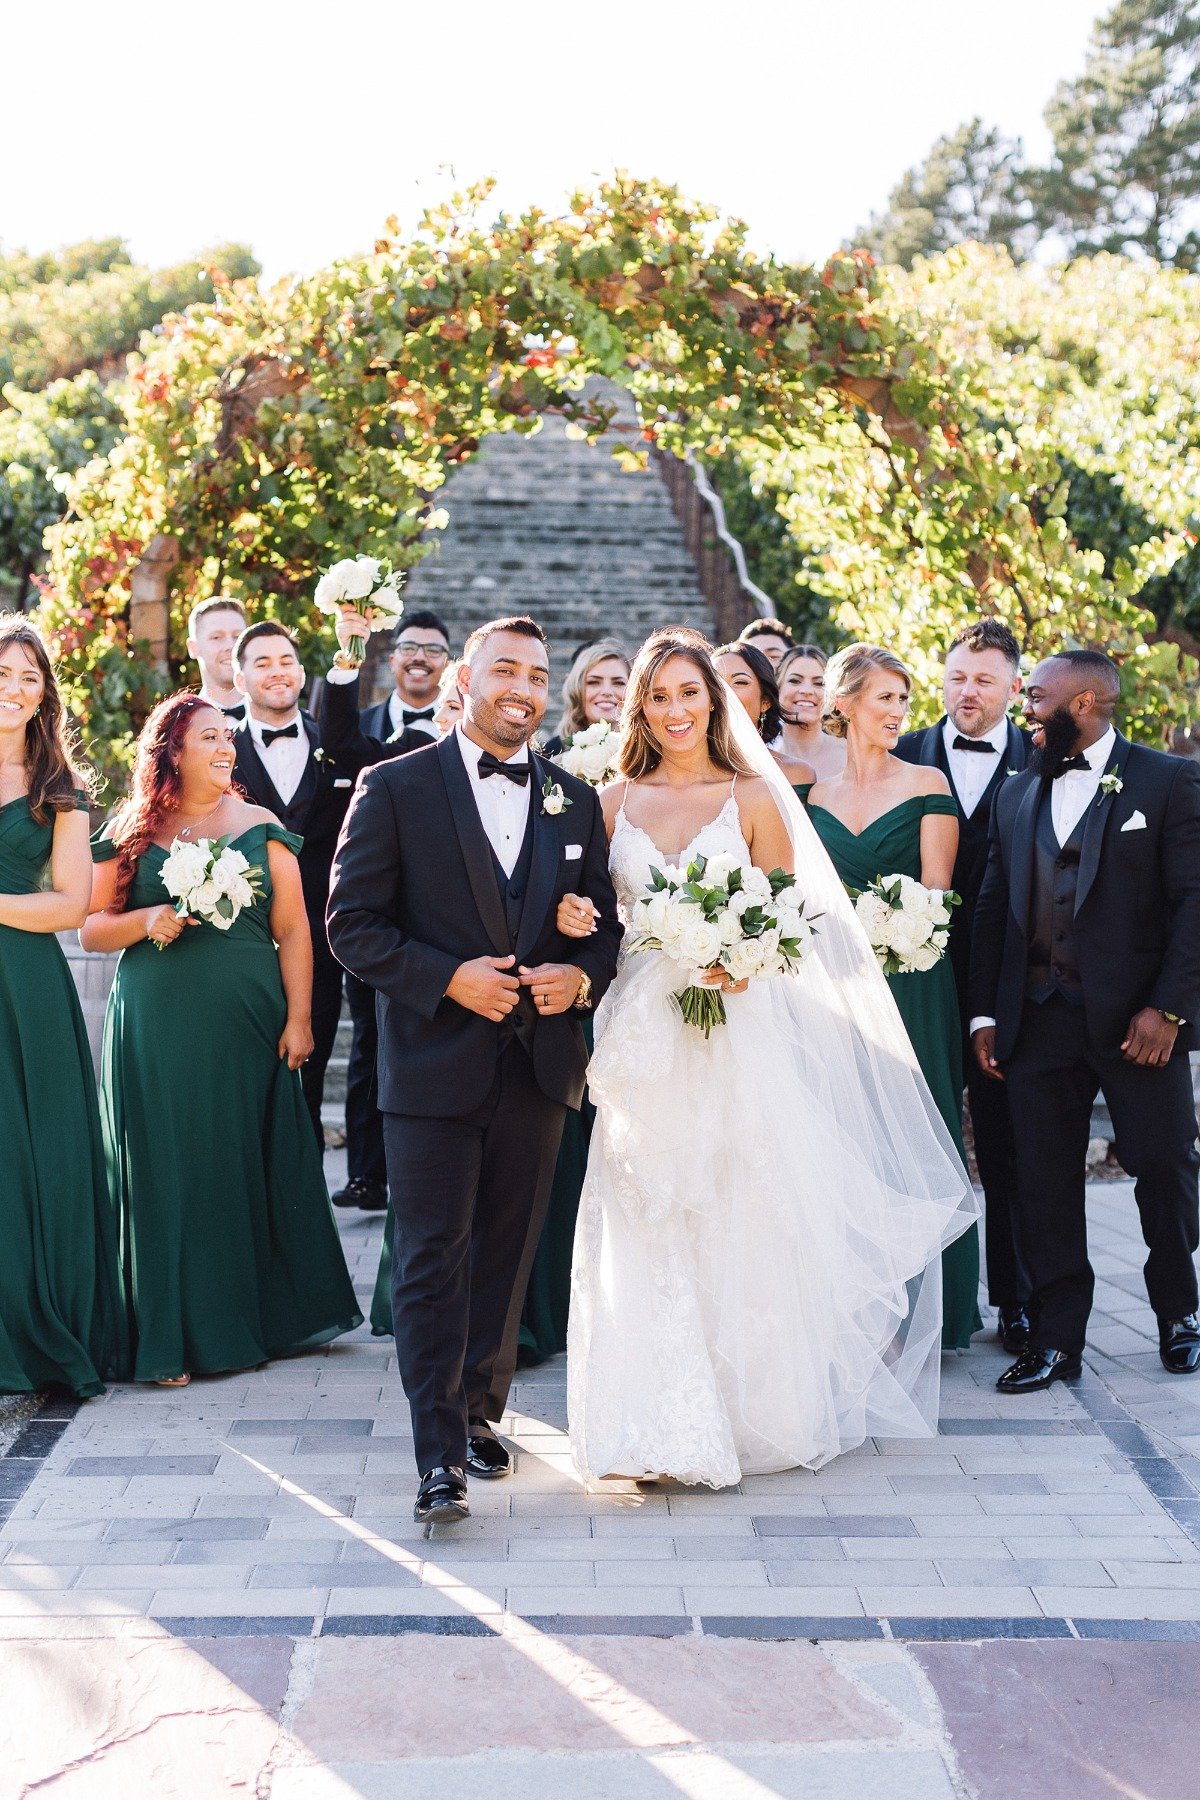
x: 154, y: 792
x: 770, y: 718
x: 53, y: 775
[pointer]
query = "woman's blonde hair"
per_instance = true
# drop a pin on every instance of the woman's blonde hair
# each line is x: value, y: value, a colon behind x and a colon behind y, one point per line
x: 640, y: 753
x: 847, y: 673
x: 573, y: 717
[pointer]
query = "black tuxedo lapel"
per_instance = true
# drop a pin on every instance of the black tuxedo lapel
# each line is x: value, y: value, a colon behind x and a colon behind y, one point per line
x: 1017, y: 754
x: 1095, y: 823
x: 473, y: 842
x: 1023, y: 844
x: 254, y: 774
x: 543, y: 867
x: 931, y: 743
x: 306, y: 791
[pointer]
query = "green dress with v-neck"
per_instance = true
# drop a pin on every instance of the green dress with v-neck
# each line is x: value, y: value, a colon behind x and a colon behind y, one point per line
x: 229, y: 1245
x: 61, y: 1314
x: 928, y: 1004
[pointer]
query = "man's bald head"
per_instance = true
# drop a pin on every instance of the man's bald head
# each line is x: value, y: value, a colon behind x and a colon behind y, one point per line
x: 1069, y: 702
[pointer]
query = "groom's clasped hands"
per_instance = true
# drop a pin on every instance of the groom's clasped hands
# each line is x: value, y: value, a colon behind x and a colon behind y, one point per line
x: 489, y: 986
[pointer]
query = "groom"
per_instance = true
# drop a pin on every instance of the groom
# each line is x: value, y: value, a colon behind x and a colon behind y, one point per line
x: 445, y: 889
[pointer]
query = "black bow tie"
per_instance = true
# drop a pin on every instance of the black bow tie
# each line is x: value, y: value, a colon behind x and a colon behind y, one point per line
x: 980, y: 744
x: 491, y: 765
x: 235, y: 712
x: 1072, y: 762
x: 292, y: 730
x: 409, y: 714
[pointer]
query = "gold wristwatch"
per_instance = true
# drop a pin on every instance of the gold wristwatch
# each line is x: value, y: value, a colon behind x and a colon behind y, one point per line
x: 583, y: 998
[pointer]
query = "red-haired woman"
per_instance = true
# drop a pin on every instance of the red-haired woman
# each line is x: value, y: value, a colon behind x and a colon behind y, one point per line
x: 60, y: 1307
x: 231, y: 1253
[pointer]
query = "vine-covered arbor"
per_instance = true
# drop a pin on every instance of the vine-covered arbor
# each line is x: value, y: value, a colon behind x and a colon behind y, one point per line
x: 280, y: 427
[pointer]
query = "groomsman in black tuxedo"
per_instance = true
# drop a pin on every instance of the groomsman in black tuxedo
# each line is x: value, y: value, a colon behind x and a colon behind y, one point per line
x: 1085, y: 978
x: 420, y: 652
x: 281, y: 764
x: 445, y: 893
x: 977, y: 747
x: 364, y: 738
x: 214, y: 627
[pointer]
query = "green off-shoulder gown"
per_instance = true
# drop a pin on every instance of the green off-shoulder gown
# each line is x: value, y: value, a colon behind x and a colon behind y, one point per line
x: 928, y: 1004
x: 61, y: 1319
x: 230, y: 1251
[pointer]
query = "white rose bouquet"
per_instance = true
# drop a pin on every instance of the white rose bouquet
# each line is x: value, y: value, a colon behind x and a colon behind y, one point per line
x: 208, y: 880
x: 908, y: 925
x: 720, y: 914
x: 592, y: 753
x: 361, y: 584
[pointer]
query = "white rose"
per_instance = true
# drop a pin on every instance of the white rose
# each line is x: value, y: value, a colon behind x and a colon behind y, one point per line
x: 183, y: 870
x: 698, y: 942
x: 907, y: 933
x: 655, y: 914
x: 205, y: 897
x: 874, y: 914
x: 220, y: 923
x: 923, y: 957
x: 594, y: 761
x: 718, y: 869
x: 361, y: 577
x: 745, y: 960
x: 333, y: 588
x: 553, y: 801
x: 756, y: 883
x: 730, y: 927
x: 242, y: 894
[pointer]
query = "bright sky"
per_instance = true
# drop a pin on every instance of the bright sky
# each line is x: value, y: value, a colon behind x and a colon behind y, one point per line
x: 299, y: 127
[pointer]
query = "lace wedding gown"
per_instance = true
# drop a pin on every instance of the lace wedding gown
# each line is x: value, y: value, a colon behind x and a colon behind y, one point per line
x: 756, y: 1282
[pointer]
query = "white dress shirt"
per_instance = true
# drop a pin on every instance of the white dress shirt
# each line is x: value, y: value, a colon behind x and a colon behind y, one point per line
x: 1073, y: 793
x: 285, y: 759
x: 971, y: 770
x: 1070, y: 796
x: 503, y: 804
x: 396, y: 718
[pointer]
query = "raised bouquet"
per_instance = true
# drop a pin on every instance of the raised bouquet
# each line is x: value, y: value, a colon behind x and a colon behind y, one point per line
x: 361, y: 584
x: 908, y: 925
x: 592, y: 753
x: 720, y: 914
x: 209, y: 880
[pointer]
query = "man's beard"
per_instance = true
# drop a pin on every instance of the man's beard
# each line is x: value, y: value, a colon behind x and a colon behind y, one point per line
x: 1059, y: 737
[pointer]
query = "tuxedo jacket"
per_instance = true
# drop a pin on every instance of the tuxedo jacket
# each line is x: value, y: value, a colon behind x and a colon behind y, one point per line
x: 315, y: 811
x: 928, y: 747
x: 415, y: 894
x: 362, y: 737
x: 1137, y: 900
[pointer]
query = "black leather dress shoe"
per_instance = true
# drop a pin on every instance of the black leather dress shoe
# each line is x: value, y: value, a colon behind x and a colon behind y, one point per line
x: 442, y: 1498
x: 487, y: 1458
x: 1179, y: 1344
x: 1012, y: 1328
x: 366, y: 1195
x: 1035, y: 1369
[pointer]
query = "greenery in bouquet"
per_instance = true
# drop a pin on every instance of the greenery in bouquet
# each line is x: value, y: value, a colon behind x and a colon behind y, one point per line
x: 908, y: 925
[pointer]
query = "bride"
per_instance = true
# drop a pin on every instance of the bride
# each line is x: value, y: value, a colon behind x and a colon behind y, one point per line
x: 757, y: 1276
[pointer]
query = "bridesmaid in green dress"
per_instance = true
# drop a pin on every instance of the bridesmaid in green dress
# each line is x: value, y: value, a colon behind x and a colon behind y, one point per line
x: 881, y: 816
x: 60, y: 1299
x: 230, y: 1250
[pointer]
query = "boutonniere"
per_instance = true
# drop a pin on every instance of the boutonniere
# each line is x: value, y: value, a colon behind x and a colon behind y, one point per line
x: 553, y: 798
x: 1111, y: 783
x: 1012, y: 772
x: 318, y: 754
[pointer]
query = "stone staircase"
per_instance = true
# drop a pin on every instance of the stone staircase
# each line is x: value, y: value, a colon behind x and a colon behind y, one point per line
x: 551, y: 526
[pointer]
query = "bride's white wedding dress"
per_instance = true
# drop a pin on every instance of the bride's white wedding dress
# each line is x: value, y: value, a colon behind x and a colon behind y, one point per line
x: 756, y: 1279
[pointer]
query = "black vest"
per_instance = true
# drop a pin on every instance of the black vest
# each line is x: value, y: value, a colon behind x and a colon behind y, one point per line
x: 1053, y: 965
x: 521, y: 1021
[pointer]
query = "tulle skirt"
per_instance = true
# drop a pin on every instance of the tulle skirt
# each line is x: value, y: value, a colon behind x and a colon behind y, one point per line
x: 756, y: 1281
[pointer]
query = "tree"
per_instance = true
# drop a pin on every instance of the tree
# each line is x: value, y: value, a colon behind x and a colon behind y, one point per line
x: 44, y: 438
x: 971, y: 185
x: 1126, y: 170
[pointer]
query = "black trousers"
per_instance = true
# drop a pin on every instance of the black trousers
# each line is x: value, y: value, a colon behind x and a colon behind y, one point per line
x: 1054, y: 1075
x: 364, y: 1122
x: 326, y: 1011
x: 996, y: 1154
x: 469, y: 1198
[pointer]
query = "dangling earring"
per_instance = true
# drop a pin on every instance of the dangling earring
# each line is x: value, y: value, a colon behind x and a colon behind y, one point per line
x: 37, y: 709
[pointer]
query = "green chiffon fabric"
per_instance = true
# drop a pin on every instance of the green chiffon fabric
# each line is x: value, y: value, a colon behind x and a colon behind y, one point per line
x: 230, y: 1251
x: 61, y: 1314
x: 928, y: 1003
x: 547, y: 1300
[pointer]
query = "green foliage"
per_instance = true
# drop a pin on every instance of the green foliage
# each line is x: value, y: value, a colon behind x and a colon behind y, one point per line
x: 45, y: 437
x: 970, y: 186
x: 1126, y: 170
x: 93, y: 306
x: 275, y: 430
x: 774, y: 560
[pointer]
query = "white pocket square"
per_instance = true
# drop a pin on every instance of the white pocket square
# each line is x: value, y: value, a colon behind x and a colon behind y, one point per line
x: 572, y: 852
x: 342, y: 781
x: 1135, y: 822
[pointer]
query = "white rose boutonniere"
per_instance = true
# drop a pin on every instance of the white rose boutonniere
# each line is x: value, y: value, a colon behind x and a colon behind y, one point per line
x: 1111, y: 783
x: 553, y: 799
x: 1011, y: 772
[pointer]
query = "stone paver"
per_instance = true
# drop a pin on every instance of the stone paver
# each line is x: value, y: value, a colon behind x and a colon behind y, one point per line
x: 271, y: 1512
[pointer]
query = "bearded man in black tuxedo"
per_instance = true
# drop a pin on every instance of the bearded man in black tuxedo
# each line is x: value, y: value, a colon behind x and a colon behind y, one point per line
x: 1085, y: 977
x: 977, y: 747
x: 280, y: 762
x: 444, y: 899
